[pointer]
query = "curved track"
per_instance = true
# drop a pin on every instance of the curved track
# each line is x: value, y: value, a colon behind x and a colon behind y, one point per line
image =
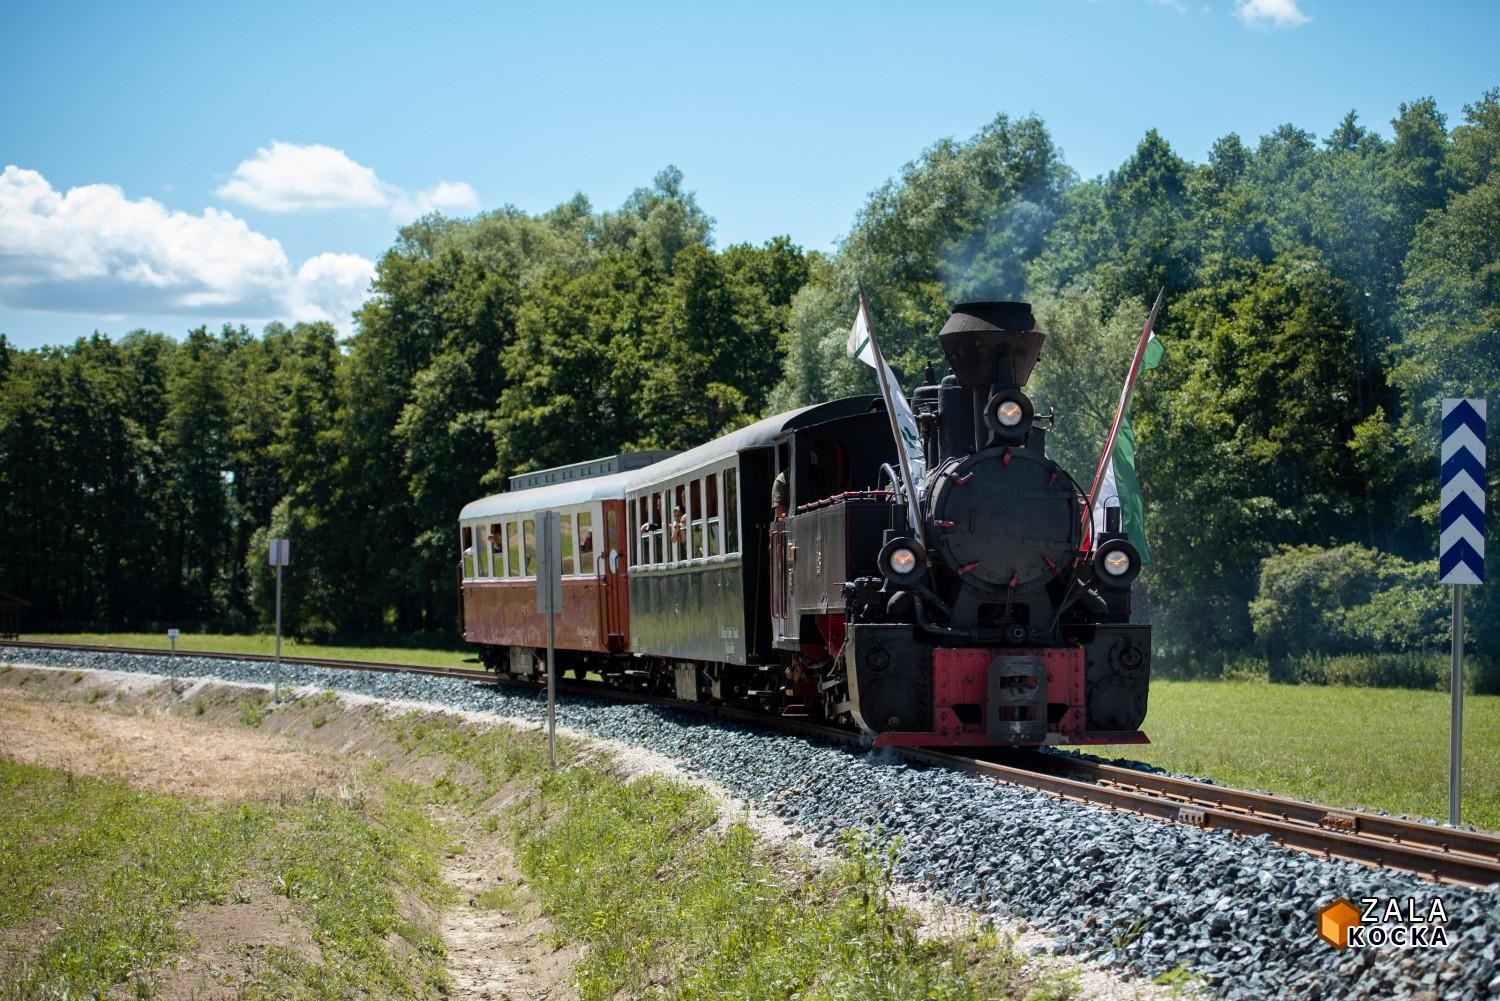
x: 1433, y: 852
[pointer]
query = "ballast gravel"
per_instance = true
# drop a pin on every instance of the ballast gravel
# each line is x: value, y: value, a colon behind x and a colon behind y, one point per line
x: 1128, y: 893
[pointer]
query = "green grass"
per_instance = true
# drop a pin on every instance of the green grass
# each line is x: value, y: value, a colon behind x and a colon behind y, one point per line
x: 670, y: 907
x: 98, y: 874
x: 265, y: 644
x: 1381, y: 748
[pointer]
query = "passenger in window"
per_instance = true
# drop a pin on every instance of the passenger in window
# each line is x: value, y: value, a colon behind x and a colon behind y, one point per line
x: 778, y: 494
x: 679, y: 524
x: 586, y: 545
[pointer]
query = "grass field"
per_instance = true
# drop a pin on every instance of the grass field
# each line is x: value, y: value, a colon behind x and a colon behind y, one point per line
x: 98, y: 876
x: 263, y: 644
x: 109, y: 891
x: 1380, y: 748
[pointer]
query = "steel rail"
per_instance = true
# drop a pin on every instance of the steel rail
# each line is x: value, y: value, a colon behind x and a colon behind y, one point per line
x: 1393, y: 831
x: 263, y: 658
x: 1432, y: 852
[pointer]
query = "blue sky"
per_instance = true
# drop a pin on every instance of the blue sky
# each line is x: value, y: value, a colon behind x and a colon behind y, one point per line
x: 169, y: 164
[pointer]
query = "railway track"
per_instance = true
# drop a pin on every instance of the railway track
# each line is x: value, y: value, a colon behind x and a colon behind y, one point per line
x: 1430, y: 851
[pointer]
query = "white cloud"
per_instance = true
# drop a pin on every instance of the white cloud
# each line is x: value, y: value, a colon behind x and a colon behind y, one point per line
x: 92, y: 250
x: 331, y: 287
x: 286, y: 177
x: 1277, y: 13
x: 453, y: 196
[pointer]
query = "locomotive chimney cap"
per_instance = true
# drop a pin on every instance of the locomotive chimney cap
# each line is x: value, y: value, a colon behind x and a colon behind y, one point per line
x: 1009, y: 316
x: 992, y: 343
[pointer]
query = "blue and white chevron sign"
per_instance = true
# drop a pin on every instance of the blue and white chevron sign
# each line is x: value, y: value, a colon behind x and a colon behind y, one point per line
x: 1461, y: 547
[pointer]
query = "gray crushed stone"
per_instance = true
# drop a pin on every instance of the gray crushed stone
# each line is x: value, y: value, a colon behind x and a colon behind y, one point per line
x: 1131, y: 894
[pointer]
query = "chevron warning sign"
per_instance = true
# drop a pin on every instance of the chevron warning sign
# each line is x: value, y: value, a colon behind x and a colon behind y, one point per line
x: 1461, y: 546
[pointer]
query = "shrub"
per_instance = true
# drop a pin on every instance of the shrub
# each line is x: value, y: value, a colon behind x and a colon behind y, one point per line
x: 1349, y: 600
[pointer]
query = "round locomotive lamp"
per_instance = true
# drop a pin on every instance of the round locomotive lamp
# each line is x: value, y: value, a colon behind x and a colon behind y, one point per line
x: 902, y: 561
x: 1118, y: 563
x: 1008, y: 413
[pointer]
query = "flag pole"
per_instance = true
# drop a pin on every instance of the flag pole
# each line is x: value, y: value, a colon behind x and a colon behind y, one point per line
x: 1114, y: 427
x: 890, y: 411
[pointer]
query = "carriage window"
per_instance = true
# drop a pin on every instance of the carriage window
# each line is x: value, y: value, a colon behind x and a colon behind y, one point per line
x: 658, y: 534
x: 497, y: 550
x: 468, y: 551
x: 695, y: 500
x: 528, y: 548
x: 633, y: 521
x: 711, y: 509
x: 731, y: 514
x: 679, y: 524
x: 565, y: 522
x: 512, y: 549
x: 585, y: 542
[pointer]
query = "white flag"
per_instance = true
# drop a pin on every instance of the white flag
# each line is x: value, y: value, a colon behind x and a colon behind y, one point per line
x: 862, y: 345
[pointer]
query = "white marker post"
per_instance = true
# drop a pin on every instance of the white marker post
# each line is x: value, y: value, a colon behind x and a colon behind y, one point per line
x: 549, y: 602
x: 172, y: 635
x: 1460, y: 551
x: 281, y: 555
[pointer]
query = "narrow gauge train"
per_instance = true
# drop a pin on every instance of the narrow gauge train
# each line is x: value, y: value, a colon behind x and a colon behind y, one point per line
x: 1000, y: 622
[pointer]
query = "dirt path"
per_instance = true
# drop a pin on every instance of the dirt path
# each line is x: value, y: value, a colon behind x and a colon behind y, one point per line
x: 499, y: 946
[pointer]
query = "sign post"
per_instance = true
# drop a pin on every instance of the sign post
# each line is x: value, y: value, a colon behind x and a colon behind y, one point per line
x: 1461, y: 551
x: 549, y: 602
x: 172, y: 635
x: 281, y: 555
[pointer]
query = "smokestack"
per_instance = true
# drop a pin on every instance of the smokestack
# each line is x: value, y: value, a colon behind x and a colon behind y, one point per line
x: 991, y: 343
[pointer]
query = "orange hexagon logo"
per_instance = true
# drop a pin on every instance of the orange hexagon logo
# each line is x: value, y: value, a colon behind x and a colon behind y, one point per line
x: 1334, y: 922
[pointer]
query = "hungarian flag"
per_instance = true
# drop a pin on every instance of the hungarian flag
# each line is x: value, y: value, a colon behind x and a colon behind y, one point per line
x: 1115, y: 483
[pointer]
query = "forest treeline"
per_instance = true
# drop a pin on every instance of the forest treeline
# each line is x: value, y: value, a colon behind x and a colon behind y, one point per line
x: 1323, y: 294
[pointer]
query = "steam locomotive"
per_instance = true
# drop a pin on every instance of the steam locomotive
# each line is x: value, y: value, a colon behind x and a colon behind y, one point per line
x: 780, y: 567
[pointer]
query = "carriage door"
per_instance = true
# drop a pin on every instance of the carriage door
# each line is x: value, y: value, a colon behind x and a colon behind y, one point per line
x: 609, y: 568
x: 783, y: 555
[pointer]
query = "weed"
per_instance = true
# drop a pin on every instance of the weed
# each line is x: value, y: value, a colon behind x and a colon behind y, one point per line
x: 507, y: 897
x: 199, y: 709
x: 96, y: 694
x: 252, y: 714
x: 1056, y: 985
x: 1180, y: 981
x: 77, y: 677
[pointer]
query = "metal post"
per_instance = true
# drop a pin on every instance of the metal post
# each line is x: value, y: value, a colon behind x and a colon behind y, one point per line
x: 276, y: 686
x: 552, y: 688
x: 1456, y: 722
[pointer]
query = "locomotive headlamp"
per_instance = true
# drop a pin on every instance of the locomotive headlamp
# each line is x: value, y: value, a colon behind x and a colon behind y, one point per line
x: 1117, y: 563
x: 902, y: 561
x: 1008, y: 413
